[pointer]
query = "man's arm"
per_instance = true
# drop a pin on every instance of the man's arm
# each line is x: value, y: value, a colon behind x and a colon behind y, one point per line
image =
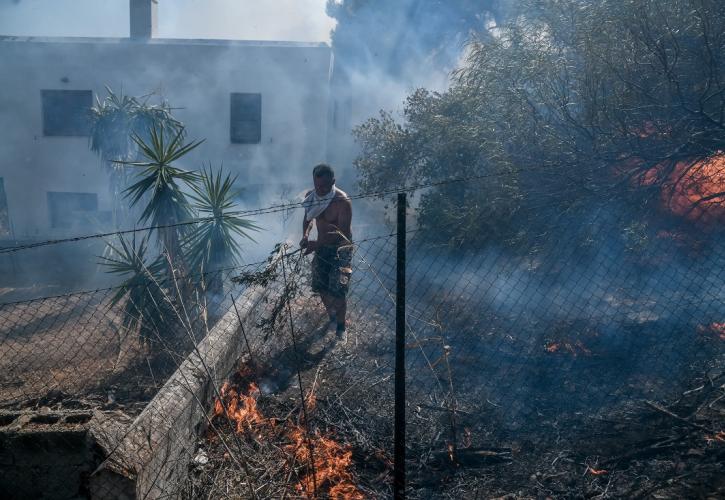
x: 344, y: 220
x: 306, y: 227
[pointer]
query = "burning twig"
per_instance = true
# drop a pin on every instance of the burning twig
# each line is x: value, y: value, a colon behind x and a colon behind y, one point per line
x: 596, y: 472
x: 718, y: 437
x: 327, y: 462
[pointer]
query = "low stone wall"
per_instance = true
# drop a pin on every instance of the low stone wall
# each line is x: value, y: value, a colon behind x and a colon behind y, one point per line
x: 45, y: 454
x: 149, y: 458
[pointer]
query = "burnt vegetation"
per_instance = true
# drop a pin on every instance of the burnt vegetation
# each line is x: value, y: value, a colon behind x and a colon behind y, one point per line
x: 564, y: 109
x: 565, y: 308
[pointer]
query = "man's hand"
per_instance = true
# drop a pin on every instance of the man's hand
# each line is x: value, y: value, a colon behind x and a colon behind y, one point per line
x: 310, y: 246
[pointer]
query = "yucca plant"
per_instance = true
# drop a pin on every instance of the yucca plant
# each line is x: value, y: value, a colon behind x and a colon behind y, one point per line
x: 114, y: 120
x: 159, y: 183
x: 215, y: 241
x: 144, y: 306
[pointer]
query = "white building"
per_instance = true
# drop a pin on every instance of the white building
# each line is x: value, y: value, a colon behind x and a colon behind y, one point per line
x: 262, y: 108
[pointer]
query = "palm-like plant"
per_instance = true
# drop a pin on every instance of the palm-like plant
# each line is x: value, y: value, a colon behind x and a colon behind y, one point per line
x: 167, y: 204
x: 144, y: 305
x: 113, y: 123
x: 213, y: 242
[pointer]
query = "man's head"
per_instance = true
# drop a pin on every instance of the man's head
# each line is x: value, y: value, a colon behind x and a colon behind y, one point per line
x: 324, y: 178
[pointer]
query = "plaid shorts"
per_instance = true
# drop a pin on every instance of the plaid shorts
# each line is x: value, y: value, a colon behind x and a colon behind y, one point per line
x: 331, y: 270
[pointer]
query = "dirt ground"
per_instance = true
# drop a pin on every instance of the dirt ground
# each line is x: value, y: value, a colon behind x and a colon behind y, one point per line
x: 69, y: 350
x: 462, y: 448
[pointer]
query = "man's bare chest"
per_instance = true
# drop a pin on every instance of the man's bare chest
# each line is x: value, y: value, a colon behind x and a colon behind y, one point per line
x: 330, y: 216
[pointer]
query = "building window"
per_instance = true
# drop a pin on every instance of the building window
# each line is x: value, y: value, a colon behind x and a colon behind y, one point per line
x: 245, y: 125
x: 66, y: 112
x: 4, y: 217
x: 72, y: 209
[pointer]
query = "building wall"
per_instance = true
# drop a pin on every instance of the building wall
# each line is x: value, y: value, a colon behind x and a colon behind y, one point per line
x: 196, y: 76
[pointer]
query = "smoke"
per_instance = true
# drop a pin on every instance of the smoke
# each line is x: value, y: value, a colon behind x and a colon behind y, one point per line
x: 64, y: 18
x: 382, y: 52
x: 385, y: 50
x: 292, y: 20
x: 196, y: 79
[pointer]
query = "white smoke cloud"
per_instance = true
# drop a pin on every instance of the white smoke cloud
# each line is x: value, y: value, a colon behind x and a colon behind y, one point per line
x: 290, y: 20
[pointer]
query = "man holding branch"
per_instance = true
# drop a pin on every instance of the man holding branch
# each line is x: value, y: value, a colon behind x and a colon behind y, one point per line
x: 331, y: 210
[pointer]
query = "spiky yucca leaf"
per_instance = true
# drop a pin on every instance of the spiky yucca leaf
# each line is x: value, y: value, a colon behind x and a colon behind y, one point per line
x: 117, y: 117
x: 214, y: 242
x: 160, y: 179
x: 140, y: 293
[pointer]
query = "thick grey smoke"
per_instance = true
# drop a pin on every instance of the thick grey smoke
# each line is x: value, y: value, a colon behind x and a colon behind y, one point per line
x: 382, y: 52
x: 302, y: 20
x: 385, y: 50
x: 186, y: 77
x: 64, y: 18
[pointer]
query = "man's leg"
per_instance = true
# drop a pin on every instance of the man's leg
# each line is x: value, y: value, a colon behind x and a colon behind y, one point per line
x: 340, y: 305
x: 329, y: 303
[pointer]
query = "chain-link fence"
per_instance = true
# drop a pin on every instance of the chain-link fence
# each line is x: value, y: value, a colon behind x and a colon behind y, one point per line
x: 570, y: 361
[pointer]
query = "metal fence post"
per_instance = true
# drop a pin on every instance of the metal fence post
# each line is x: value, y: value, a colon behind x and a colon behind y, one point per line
x: 399, y: 433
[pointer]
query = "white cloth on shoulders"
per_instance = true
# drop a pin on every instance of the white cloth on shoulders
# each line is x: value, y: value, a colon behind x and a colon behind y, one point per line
x: 315, y: 204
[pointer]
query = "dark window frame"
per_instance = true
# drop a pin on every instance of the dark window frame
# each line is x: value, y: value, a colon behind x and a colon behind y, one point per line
x: 86, y: 203
x: 245, y: 118
x: 66, y: 113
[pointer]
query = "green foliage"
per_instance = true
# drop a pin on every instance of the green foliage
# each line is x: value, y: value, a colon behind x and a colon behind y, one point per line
x: 171, y: 199
x: 159, y: 179
x: 114, y: 122
x: 565, y: 107
x: 115, y: 119
x: 212, y: 243
x: 141, y: 294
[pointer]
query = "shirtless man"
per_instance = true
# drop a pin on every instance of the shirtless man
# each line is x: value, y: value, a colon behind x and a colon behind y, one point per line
x: 330, y: 207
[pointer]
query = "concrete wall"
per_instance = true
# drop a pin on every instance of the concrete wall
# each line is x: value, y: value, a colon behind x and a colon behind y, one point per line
x: 196, y: 76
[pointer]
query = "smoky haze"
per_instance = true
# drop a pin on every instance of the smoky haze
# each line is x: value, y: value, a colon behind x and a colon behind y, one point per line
x: 303, y: 20
x: 195, y: 79
x: 418, y: 45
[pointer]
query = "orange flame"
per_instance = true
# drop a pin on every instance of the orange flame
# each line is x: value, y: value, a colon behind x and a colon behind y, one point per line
x: 597, y: 472
x: 574, y: 349
x: 240, y: 408
x: 311, y: 401
x: 716, y: 329
x: 719, y: 437
x: 331, y: 465
x: 451, y: 452
x: 691, y: 189
x: 332, y: 462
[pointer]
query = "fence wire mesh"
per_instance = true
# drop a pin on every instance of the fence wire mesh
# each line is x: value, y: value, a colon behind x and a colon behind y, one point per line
x: 570, y: 361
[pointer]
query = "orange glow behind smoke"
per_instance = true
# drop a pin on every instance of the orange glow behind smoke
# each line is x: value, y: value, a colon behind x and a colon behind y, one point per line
x: 719, y: 437
x: 330, y: 477
x: 716, y: 329
x: 692, y: 189
x: 574, y: 349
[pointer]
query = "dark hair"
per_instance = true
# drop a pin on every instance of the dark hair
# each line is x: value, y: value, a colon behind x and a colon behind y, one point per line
x: 323, y: 169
